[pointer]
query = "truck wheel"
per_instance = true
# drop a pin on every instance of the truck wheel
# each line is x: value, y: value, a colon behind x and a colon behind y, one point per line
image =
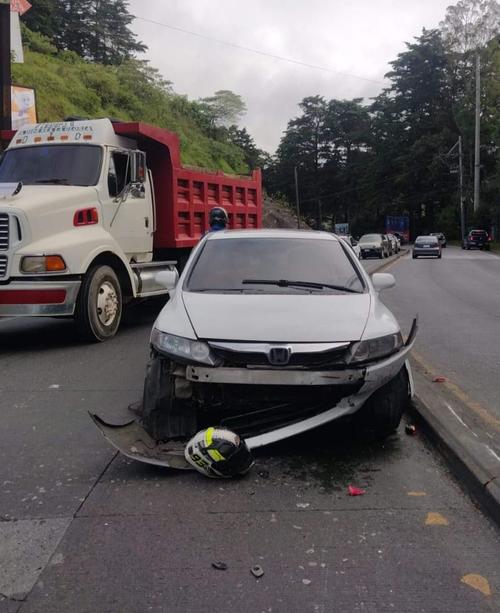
x: 382, y: 412
x: 99, y: 306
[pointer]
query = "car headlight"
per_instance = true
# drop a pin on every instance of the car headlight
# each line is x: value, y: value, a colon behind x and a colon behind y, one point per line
x: 192, y: 351
x: 376, y: 348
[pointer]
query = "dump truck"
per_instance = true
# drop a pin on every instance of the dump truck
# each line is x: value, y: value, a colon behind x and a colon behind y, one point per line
x: 91, y: 211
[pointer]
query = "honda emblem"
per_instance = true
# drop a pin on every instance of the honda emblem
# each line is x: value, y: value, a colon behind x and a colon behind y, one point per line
x: 279, y: 356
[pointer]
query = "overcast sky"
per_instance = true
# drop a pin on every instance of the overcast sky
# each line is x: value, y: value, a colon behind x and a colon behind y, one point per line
x: 356, y: 38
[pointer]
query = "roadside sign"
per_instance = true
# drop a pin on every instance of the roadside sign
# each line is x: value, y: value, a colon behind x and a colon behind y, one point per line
x: 19, y: 6
x: 342, y: 228
x: 23, y: 106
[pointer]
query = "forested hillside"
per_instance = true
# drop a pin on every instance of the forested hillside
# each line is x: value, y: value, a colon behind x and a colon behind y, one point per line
x: 68, y: 85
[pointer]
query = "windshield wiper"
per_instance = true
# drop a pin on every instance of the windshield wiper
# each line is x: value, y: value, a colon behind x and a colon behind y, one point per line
x: 287, y: 283
x: 55, y: 181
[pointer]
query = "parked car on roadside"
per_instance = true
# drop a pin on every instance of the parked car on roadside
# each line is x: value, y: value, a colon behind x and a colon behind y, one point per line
x: 477, y: 239
x: 350, y: 240
x: 374, y: 245
x: 394, y: 243
x: 270, y: 333
x: 441, y: 238
x: 426, y: 246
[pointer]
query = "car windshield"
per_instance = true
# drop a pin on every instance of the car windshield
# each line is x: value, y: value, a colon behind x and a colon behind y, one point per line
x: 276, y: 265
x: 369, y: 238
x: 428, y: 240
x: 52, y: 164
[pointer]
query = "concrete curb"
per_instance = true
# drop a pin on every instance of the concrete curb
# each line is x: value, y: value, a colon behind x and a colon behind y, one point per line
x: 465, y: 448
x: 389, y: 262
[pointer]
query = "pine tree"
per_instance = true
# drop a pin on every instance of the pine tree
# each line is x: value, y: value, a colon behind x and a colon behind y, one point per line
x: 98, y: 30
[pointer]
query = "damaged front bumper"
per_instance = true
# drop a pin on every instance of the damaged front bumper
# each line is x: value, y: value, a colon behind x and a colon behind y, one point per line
x: 347, y: 391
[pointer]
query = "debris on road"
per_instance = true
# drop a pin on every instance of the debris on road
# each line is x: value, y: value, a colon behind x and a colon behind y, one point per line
x: 219, y: 565
x: 264, y: 474
x: 439, y: 380
x: 410, y: 429
x: 257, y: 571
x: 355, y: 491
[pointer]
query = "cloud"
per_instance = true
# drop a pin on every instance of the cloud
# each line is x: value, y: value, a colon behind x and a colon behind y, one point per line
x: 358, y: 39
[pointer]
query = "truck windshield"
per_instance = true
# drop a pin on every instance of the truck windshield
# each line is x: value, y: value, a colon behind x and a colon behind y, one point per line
x: 273, y: 265
x: 52, y: 164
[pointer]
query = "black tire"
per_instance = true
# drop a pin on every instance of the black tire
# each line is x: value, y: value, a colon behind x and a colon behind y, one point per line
x: 414, y: 256
x: 439, y: 256
x: 90, y: 318
x: 381, y: 414
x: 381, y: 256
x: 162, y: 414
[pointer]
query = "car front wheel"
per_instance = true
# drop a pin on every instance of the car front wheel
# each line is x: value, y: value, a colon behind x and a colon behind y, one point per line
x: 381, y: 414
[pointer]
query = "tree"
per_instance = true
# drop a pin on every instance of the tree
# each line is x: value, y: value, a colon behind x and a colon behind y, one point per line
x: 224, y: 108
x: 44, y: 17
x: 111, y: 41
x: 98, y: 30
x: 471, y: 24
x: 254, y: 157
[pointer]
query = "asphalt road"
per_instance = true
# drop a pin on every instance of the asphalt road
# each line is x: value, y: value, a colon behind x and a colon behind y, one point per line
x: 457, y: 300
x: 83, y: 530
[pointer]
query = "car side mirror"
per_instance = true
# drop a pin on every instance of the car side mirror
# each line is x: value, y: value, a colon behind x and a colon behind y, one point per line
x: 167, y: 279
x: 383, y: 280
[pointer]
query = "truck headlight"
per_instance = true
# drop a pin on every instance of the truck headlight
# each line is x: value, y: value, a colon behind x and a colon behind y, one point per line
x: 36, y: 264
x: 192, y: 351
x: 376, y: 348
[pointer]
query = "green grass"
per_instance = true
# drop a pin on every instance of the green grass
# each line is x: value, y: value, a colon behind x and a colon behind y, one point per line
x: 66, y: 85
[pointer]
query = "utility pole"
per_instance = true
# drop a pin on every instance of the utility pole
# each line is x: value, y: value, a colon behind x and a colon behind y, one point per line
x: 461, y: 183
x: 477, y: 156
x: 5, y: 74
x: 297, y: 202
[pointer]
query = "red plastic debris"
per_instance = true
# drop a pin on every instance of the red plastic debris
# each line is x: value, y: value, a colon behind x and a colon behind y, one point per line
x: 410, y: 429
x: 355, y: 491
x: 439, y: 379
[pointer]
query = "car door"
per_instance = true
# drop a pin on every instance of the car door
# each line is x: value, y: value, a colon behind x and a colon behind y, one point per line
x: 128, y: 206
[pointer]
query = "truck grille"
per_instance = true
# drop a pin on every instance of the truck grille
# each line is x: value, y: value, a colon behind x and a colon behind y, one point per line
x: 4, y: 231
x: 3, y: 266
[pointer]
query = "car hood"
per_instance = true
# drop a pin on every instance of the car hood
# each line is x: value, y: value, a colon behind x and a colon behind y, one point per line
x: 278, y: 318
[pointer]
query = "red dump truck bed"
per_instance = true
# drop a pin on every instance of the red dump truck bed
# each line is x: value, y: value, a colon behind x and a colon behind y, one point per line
x: 184, y: 196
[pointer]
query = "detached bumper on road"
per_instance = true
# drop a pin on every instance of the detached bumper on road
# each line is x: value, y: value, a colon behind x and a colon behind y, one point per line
x: 28, y: 299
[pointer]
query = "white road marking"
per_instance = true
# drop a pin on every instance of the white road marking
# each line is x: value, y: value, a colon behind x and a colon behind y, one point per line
x: 495, y: 455
x: 460, y: 419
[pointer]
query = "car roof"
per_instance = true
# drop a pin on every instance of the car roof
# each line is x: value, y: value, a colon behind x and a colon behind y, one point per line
x: 271, y: 233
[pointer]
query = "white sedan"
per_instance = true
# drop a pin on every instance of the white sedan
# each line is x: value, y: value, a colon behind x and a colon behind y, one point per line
x: 271, y: 333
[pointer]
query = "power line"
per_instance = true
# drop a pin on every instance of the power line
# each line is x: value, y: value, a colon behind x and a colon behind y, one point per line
x: 258, y: 51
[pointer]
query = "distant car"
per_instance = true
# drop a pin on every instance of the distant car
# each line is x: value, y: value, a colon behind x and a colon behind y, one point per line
x: 374, y: 245
x: 426, y: 246
x: 478, y: 239
x: 441, y: 238
x: 352, y: 243
x: 400, y: 238
x: 394, y: 243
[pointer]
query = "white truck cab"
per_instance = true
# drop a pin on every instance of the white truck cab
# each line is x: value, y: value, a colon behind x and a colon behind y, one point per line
x: 77, y: 220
